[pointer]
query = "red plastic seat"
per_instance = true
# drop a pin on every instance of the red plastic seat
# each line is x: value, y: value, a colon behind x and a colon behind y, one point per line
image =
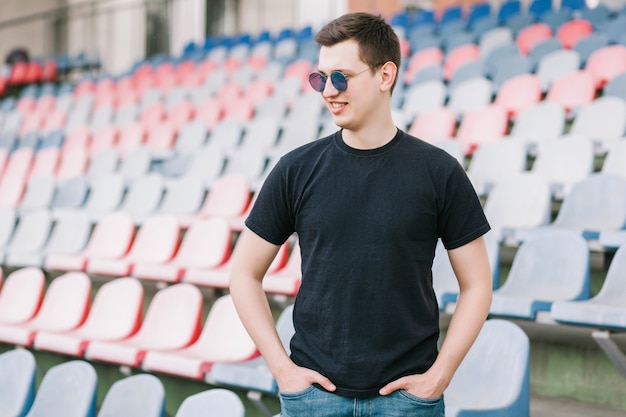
x: 206, y: 245
x: 241, y: 109
x: 34, y: 71
x: 73, y: 163
x: 481, y: 126
x: 79, y: 137
x: 153, y: 114
x: 573, y: 90
x: 114, y: 315
x: 45, y: 163
x: 181, y: 114
x: 434, y: 125
x: 15, y: 176
x: 54, y: 120
x: 531, y: 36
x: 228, y: 197
x: 111, y: 239
x: 519, y: 93
x: 606, y: 63
x: 258, y: 90
x: 172, y: 321
x: 156, y: 242
x: 210, y: 112
x: 26, y: 105
x: 18, y: 73
x: 571, y: 32
x: 422, y: 59
x: 458, y: 57
x: 49, y: 71
x: 105, y: 137
x: 45, y: 104
x: 299, y: 69
x: 64, y: 307
x: 160, y: 136
x: 223, y: 339
x: 32, y: 123
x: 21, y: 295
x: 131, y: 137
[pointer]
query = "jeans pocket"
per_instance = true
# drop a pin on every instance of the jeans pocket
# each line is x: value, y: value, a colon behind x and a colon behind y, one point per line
x: 297, y: 394
x: 420, y: 400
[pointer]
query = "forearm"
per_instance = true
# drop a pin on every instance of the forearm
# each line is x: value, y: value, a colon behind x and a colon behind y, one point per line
x: 471, y: 311
x: 255, y: 314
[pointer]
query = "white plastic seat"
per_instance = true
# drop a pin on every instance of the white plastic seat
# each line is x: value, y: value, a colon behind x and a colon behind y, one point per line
x: 137, y: 395
x: 536, y: 124
x: 606, y: 310
x: 21, y: 295
x: 424, y: 97
x: 31, y: 235
x: 494, y: 378
x: 472, y: 94
x: 17, y: 382
x: 217, y: 402
x: 603, y: 121
x: 495, y: 162
x: 548, y: 267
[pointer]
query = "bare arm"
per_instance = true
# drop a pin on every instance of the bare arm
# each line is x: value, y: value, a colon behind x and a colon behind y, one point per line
x: 251, y: 259
x: 472, y: 269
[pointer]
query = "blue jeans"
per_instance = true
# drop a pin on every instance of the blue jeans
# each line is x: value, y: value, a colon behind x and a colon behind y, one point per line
x: 314, y: 402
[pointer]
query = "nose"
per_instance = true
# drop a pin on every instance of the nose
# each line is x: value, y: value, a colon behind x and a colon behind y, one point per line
x: 329, y: 89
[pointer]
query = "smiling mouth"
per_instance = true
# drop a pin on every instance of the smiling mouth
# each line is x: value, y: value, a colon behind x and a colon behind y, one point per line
x: 337, y: 105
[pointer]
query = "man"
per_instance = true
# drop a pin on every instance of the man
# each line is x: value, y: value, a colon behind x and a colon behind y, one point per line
x: 368, y: 204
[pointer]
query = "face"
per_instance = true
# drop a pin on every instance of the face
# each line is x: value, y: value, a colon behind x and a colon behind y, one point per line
x: 354, y: 108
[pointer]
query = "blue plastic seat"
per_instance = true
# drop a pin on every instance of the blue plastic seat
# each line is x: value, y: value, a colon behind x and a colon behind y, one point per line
x: 539, y: 7
x: 509, y: 9
x: 17, y: 382
x: 67, y: 390
x: 493, y: 379
x: 138, y: 395
x: 548, y: 267
x: 477, y: 12
x: 217, y: 402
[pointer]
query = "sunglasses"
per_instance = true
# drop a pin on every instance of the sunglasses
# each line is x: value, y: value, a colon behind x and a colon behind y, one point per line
x: 337, y: 78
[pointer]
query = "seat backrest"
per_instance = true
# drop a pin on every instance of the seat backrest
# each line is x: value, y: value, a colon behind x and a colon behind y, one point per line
x: 531, y: 35
x: 39, y: 194
x: 137, y: 395
x: 74, y: 162
x: 519, y: 93
x: 539, y: 122
x: 112, y: 236
x: 556, y: 65
x: 523, y: 201
x: 183, y: 196
x: 32, y: 232
x: 71, y: 193
x: 191, y: 136
x: 495, y: 372
x: 15, y: 175
x: 595, y: 204
x: 156, y: 240
x: 424, y: 97
x: 65, y: 304
x: 606, y: 63
x: 228, y: 196
x: 603, y: 119
x: 116, y: 310
x: 613, y: 291
x: 17, y: 381
x: 103, y: 163
x: 68, y: 390
x: 215, y: 402
x: 614, y: 160
x: 21, y: 295
x: 45, y: 163
x: 7, y: 224
x: 497, y: 161
x: 223, y: 337
x: 434, y: 125
x: 106, y: 193
x: 565, y: 161
x: 144, y: 195
x: 173, y: 318
x: 207, y: 163
x: 69, y: 234
x: 135, y: 164
x: 572, y: 90
x: 470, y: 95
x: 206, y: 244
x: 551, y: 266
x: 616, y: 87
x: 481, y: 126
x: 572, y: 31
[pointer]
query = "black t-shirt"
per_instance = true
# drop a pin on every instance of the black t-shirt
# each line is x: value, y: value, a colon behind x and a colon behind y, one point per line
x: 367, y: 223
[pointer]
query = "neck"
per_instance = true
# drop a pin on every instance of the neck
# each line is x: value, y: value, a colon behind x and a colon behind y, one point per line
x: 370, y: 136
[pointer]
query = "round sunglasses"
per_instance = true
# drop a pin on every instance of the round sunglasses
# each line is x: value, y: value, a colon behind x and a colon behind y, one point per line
x: 337, y: 78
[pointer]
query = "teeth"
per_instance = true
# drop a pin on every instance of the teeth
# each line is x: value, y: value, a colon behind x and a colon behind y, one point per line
x: 336, y: 105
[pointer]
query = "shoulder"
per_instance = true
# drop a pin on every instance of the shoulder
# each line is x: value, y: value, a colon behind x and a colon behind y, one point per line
x: 309, y: 151
x: 431, y: 156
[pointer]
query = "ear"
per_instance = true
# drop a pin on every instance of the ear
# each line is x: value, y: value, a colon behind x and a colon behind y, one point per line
x: 389, y: 72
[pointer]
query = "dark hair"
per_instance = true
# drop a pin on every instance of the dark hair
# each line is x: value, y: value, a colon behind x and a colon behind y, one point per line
x: 378, y: 43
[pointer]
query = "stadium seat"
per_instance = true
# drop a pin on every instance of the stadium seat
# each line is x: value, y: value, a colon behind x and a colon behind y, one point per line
x: 459, y: 56
x: 556, y: 65
x: 172, y: 321
x: 603, y: 121
x: 499, y: 55
x: 423, y: 97
x: 73, y: 163
x: 103, y: 164
x: 494, y: 377
x: 205, y: 245
x: 594, y: 205
x: 425, y: 74
x: 132, y: 136
x: 17, y: 381
x: 183, y: 196
x: 223, y: 339
x: 111, y: 238
x: 38, y: 195
x: 15, y: 175
x: 539, y: 7
x: 548, y: 267
x: 421, y: 59
x: 30, y: 237
x: 217, y: 402
x: 508, y: 9
x: 104, y: 138
x: 136, y: 395
x: 607, y: 309
x: 68, y: 390
x: 481, y: 126
x: 606, y: 63
x: 228, y: 197
x: 135, y: 164
x: 114, y: 315
x: 522, y: 202
x: 191, y: 137
x: 493, y: 39
x: 543, y: 121
x: 572, y: 31
x: 156, y: 242
x: 254, y: 375
x: 505, y: 69
x: 564, y: 162
x: 207, y: 163
x: 543, y: 48
x: 616, y: 87
x: 143, y: 196
x: 519, y: 93
x: 105, y: 196
x: 494, y: 162
x: 434, y: 125
x: 470, y: 95
x: 21, y: 295
x: 64, y: 307
x: 614, y: 159
x: 589, y: 44
x: 45, y: 163
x: 531, y: 36
x: 572, y: 91
x: 465, y: 72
